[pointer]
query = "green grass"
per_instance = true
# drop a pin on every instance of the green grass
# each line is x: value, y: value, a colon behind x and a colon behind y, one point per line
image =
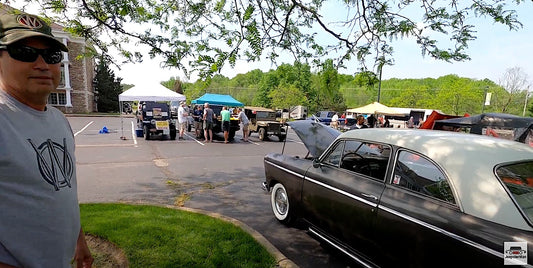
x: 152, y: 236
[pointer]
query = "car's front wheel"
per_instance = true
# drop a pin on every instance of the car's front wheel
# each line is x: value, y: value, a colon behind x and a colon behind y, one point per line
x: 262, y: 134
x: 279, y: 200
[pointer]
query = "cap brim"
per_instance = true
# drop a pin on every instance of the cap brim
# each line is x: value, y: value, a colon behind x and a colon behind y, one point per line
x: 19, y: 35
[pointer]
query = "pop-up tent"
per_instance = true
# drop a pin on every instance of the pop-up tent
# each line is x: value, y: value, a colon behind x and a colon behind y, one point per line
x: 150, y: 92
x: 375, y: 108
x: 147, y: 92
x: 218, y: 99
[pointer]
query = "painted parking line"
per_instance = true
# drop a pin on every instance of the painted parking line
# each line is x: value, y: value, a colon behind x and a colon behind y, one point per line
x: 86, y: 126
x: 133, y: 134
x: 193, y: 138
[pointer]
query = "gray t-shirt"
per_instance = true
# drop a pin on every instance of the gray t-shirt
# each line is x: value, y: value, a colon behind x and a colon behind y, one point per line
x: 208, y: 112
x: 39, y: 221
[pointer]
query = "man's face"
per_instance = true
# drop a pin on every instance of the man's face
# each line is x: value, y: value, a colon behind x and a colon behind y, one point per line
x: 29, y: 82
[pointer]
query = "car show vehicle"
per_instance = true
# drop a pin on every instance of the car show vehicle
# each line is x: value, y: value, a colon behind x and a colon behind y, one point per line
x: 216, y: 102
x: 263, y: 121
x: 154, y: 118
x: 404, y: 197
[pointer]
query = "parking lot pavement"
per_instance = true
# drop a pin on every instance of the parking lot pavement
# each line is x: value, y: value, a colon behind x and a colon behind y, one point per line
x: 216, y: 177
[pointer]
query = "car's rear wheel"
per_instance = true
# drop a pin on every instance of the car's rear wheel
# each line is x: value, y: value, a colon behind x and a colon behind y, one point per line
x: 279, y: 200
x: 146, y: 133
x: 262, y: 134
x: 282, y: 137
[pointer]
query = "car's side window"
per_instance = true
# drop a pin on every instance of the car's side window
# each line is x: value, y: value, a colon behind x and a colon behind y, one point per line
x: 417, y: 173
x: 366, y: 158
x: 334, y: 157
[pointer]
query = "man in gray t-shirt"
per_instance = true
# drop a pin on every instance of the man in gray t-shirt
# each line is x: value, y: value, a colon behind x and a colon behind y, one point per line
x: 39, y: 221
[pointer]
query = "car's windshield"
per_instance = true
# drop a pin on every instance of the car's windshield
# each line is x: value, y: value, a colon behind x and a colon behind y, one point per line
x: 518, y: 178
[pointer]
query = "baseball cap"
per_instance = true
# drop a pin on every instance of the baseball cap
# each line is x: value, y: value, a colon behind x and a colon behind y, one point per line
x: 15, y: 27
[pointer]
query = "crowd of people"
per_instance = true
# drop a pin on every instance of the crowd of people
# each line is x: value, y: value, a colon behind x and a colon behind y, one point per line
x: 204, y: 119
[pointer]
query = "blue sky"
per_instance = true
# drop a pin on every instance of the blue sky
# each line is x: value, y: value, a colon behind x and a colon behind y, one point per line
x: 495, y: 50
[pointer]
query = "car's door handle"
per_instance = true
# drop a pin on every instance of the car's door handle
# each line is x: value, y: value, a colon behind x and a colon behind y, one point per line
x: 369, y: 196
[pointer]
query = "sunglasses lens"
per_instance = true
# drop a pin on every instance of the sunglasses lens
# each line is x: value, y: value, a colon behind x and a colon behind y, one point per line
x: 29, y: 54
x: 52, y: 56
x: 22, y: 53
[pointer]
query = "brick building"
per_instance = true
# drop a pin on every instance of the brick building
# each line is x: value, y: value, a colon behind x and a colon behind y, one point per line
x: 75, y: 93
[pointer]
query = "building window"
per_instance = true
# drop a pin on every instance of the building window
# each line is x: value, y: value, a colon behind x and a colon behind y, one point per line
x: 62, y: 81
x: 57, y: 98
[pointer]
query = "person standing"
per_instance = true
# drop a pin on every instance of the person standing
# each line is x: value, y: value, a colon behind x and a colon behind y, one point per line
x: 40, y: 216
x: 182, y: 119
x: 410, y: 123
x: 226, y: 117
x: 335, y: 121
x: 209, y: 115
x: 360, y: 122
x: 245, y: 122
x: 197, y: 115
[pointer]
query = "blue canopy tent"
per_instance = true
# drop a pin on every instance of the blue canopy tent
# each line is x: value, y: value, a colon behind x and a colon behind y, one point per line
x: 218, y: 99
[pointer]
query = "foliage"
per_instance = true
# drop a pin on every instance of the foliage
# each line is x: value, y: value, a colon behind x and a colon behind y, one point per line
x: 204, y: 36
x: 284, y: 97
x: 162, y: 237
x: 107, y: 86
x: 326, y: 89
x: 515, y: 81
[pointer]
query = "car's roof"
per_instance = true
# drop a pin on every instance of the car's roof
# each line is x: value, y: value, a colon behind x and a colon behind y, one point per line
x: 468, y: 160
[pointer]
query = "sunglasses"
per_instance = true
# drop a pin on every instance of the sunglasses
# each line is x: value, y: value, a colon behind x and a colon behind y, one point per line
x: 30, y: 54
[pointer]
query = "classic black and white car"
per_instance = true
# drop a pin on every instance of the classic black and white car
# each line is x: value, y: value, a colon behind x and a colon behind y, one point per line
x: 417, y: 198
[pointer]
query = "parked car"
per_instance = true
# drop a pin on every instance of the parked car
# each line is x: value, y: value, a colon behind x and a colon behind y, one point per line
x: 217, y: 123
x: 398, y: 197
x: 263, y: 121
x: 154, y: 118
x: 324, y: 117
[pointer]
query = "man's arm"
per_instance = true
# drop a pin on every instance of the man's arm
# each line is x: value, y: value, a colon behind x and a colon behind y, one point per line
x: 83, y: 256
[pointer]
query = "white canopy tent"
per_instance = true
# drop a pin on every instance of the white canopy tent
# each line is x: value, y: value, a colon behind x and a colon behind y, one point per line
x: 147, y: 92
x: 150, y: 92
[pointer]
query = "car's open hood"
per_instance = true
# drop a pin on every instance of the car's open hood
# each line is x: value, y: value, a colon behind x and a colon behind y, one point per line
x: 316, y: 136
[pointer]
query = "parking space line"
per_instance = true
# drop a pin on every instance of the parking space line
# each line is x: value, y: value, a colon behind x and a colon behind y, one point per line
x: 133, y: 134
x: 75, y: 134
x: 104, y: 145
x: 199, y: 142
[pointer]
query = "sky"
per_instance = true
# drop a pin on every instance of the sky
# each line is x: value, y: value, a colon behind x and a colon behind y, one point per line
x: 495, y: 50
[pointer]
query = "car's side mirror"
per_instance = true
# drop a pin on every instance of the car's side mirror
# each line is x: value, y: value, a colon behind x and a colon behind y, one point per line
x: 316, y: 163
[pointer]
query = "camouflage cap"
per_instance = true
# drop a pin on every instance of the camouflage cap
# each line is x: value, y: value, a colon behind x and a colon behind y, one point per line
x: 15, y: 27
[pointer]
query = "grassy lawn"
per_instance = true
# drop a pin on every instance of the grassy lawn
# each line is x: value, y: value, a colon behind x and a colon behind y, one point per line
x: 154, y: 236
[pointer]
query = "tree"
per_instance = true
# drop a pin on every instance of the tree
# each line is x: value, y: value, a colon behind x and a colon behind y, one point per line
x: 108, y: 87
x: 287, y: 96
x: 515, y: 82
x: 204, y: 35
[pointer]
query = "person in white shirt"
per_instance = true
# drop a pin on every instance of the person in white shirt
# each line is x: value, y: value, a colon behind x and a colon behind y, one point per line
x: 182, y: 119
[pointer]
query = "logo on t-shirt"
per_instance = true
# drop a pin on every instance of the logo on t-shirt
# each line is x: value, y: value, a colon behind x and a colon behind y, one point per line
x: 55, y: 163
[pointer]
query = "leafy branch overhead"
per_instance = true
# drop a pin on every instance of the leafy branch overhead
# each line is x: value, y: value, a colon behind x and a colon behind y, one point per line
x: 204, y: 36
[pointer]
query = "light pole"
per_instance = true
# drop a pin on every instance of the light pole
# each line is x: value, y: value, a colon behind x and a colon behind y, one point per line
x: 379, y: 84
x: 484, y: 99
x: 525, y: 102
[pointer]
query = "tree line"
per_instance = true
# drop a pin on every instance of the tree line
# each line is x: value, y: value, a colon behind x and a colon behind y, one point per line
x: 326, y: 89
